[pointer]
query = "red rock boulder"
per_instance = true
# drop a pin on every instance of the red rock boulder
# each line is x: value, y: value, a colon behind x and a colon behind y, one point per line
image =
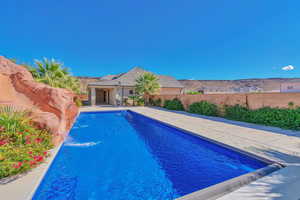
x: 51, y: 108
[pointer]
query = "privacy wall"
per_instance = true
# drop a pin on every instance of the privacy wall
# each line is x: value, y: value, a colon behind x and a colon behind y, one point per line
x: 250, y: 100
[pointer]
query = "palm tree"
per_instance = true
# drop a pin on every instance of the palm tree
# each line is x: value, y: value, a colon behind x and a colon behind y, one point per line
x: 54, y: 74
x: 147, y: 84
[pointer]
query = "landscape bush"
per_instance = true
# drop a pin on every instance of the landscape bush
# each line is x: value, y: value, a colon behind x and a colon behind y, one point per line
x: 204, y: 108
x: 155, y: 102
x: 237, y: 112
x: 174, y: 104
x: 78, y: 101
x: 286, y: 118
x: 193, y: 92
x: 141, y: 102
x: 22, y: 146
x: 137, y: 100
x: 279, y: 117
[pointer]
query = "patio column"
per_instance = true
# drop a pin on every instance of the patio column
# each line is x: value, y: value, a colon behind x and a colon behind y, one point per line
x: 93, y: 96
x: 107, y: 96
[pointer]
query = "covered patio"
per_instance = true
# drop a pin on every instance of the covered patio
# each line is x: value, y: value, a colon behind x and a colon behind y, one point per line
x: 102, y: 95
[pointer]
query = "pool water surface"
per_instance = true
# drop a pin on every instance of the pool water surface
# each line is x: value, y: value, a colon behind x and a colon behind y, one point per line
x: 122, y: 155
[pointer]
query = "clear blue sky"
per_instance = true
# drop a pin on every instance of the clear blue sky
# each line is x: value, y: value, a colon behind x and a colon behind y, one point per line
x: 192, y: 39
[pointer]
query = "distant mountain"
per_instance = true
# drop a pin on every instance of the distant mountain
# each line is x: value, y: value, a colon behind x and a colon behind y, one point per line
x: 236, y: 86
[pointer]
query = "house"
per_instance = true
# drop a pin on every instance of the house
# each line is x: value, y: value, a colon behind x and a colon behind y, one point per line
x: 290, y: 86
x: 115, y: 89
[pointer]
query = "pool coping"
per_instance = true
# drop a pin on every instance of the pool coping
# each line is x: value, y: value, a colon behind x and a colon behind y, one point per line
x: 218, y: 190
x: 45, y: 170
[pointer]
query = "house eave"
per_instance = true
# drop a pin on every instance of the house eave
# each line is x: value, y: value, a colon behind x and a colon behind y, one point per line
x: 95, y: 85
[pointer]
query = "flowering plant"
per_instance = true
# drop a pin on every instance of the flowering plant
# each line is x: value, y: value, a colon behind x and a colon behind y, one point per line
x: 22, y: 146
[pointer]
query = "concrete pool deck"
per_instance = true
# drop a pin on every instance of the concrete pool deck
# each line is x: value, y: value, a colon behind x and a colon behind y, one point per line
x: 23, y: 188
x: 268, y: 142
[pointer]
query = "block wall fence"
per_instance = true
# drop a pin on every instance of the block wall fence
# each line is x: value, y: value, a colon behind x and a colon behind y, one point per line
x: 250, y: 100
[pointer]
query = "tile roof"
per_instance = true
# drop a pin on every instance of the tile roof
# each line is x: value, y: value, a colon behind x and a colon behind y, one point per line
x: 128, y: 79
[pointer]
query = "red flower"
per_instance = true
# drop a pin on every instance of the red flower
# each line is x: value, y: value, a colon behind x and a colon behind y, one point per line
x: 30, y: 152
x: 38, y: 158
x: 27, y: 142
x: 32, y: 163
x: 27, y: 137
x: 16, y: 166
x: 20, y: 133
x: 45, y: 153
x: 38, y: 140
x: 3, y: 142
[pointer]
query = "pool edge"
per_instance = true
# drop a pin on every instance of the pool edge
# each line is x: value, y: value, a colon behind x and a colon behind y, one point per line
x: 216, y: 191
x: 40, y: 179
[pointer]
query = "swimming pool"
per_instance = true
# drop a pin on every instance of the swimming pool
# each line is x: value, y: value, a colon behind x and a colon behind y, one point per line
x: 124, y: 155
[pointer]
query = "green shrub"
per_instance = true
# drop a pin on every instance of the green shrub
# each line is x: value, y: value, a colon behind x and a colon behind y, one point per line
x: 204, y: 108
x: 155, y: 102
x: 140, y: 101
x: 291, y: 105
x: 137, y: 100
x: 193, y: 92
x: 278, y: 117
x: 22, y: 146
x: 78, y: 102
x: 237, y: 112
x: 174, y: 104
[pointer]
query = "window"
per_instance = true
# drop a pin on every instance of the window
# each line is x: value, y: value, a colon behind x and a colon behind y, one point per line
x: 130, y: 91
x: 290, y: 87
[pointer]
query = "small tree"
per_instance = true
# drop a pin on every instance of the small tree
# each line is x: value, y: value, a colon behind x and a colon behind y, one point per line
x: 146, y: 85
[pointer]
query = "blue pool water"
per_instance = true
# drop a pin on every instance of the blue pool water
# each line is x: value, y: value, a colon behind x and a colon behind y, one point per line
x: 125, y: 156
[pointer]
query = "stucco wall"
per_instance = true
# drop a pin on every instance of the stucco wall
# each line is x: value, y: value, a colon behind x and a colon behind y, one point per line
x: 170, y: 91
x: 251, y: 100
x: 125, y: 91
x: 272, y: 100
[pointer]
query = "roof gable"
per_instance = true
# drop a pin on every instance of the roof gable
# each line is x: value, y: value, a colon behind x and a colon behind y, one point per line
x: 129, y: 79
